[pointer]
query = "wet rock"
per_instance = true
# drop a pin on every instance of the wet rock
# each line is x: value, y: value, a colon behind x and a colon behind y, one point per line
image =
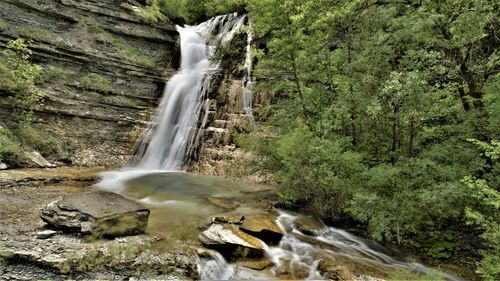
x: 308, y: 225
x: 231, y: 242
x: 45, y: 234
x: 98, y: 213
x: 222, y: 202
x: 263, y: 227
x: 257, y: 264
x: 3, y: 166
x: 232, y: 219
x: 38, y: 159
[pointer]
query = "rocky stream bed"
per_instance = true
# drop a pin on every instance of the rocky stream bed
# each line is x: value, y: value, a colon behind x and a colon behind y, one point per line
x: 56, y: 225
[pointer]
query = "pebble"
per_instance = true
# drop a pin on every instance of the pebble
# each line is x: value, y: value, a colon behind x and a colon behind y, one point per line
x: 45, y: 234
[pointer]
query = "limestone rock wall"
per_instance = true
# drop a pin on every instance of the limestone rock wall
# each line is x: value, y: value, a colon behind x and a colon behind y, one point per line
x: 109, y: 72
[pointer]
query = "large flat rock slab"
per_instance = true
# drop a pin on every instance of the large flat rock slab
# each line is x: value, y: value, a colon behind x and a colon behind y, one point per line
x: 231, y: 242
x: 98, y: 213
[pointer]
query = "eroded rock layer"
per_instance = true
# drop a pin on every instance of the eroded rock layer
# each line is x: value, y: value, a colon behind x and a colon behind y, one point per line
x: 106, y: 73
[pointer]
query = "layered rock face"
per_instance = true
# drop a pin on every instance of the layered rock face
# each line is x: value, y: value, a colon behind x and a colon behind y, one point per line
x: 106, y: 68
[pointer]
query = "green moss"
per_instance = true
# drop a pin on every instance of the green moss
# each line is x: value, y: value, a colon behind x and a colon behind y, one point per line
x: 411, y: 275
x: 95, y: 29
x: 37, y: 140
x: 114, y: 100
x: 37, y: 34
x: 3, y: 24
x: 96, y: 82
x: 51, y: 73
x: 119, y: 100
x: 123, y: 49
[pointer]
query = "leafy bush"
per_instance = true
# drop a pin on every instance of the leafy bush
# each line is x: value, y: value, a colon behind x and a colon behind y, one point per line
x: 19, y: 77
x: 96, y: 82
x: 484, y: 213
x: 10, y: 151
x: 151, y: 13
x: 34, y: 139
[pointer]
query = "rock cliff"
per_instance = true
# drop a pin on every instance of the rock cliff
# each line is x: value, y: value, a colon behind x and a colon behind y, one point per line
x: 107, y: 71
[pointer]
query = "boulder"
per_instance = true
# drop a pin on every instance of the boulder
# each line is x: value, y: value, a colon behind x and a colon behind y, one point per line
x: 308, y: 225
x: 262, y: 226
x: 233, y: 219
x: 98, y: 213
x: 231, y: 242
x: 36, y: 158
x: 3, y: 166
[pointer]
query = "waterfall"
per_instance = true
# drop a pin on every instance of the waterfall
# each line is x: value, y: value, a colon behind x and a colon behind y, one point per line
x: 247, y: 82
x: 172, y: 131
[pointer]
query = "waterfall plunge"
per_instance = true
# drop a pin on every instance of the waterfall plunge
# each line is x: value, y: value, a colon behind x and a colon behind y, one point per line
x: 164, y: 145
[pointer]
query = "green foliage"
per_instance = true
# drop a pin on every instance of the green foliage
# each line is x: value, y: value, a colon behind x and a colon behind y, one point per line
x: 151, y: 13
x: 3, y: 24
x: 484, y: 212
x: 123, y: 48
x: 95, y: 29
x: 51, y: 73
x: 96, y: 82
x: 409, y: 275
x: 395, y: 89
x: 174, y: 9
x: 37, y: 34
x: 10, y: 151
x: 34, y: 139
x: 19, y: 77
x: 114, y: 99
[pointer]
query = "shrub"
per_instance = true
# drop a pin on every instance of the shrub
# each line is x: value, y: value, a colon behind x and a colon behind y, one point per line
x: 43, y: 143
x: 10, y: 151
x: 151, y: 13
x: 19, y: 77
x: 96, y: 82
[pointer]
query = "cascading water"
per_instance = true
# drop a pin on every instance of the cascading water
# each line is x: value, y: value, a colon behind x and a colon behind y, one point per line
x: 174, y: 124
x: 299, y: 255
x: 247, y: 82
x: 163, y: 146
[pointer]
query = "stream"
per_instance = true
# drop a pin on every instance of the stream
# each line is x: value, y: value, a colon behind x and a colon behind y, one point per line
x: 180, y: 206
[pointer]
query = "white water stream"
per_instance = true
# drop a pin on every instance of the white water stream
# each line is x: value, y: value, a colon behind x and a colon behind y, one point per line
x: 298, y: 255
